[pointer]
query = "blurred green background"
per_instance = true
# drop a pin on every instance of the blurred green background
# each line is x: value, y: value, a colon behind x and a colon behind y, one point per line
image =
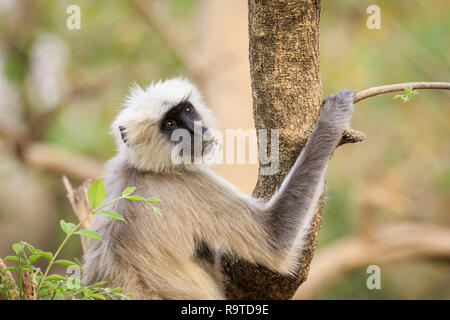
x: 60, y: 89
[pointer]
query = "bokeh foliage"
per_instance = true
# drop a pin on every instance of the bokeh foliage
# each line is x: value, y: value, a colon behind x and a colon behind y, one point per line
x: 406, y: 151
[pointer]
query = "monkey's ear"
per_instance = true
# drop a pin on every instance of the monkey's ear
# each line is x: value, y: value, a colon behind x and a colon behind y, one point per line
x: 123, y: 134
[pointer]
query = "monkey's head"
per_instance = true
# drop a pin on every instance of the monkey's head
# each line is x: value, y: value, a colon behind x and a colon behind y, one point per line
x: 165, y: 127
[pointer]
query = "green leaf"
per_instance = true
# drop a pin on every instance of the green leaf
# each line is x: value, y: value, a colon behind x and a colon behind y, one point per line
x: 30, y: 247
x: 55, y: 277
x: 10, y: 269
x: 96, y: 193
x: 27, y: 267
x: 60, y: 292
x: 66, y: 263
x: 47, y: 255
x: 136, y: 198
x: 67, y: 227
x: 90, y: 234
x: 52, y: 286
x: 153, y: 200
x: 18, y: 247
x: 112, y: 214
x: 16, y: 259
x: 128, y: 191
x: 87, y: 292
x: 99, y: 296
x: 34, y: 257
x: 157, y: 212
x: 39, y: 254
x: 148, y: 205
x: 99, y: 284
x: 11, y: 258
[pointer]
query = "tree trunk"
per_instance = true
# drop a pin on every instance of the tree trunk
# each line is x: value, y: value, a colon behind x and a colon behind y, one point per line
x: 287, y: 93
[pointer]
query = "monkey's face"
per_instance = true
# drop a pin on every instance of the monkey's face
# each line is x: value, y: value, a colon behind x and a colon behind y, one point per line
x: 165, y: 127
x: 183, y: 126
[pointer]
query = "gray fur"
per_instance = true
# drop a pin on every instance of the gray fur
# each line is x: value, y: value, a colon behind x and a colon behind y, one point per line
x: 175, y: 257
x: 292, y: 206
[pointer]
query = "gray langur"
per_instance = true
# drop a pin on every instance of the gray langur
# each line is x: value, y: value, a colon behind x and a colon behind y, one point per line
x: 176, y: 257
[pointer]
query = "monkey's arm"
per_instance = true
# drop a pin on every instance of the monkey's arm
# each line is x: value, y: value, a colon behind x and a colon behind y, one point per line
x: 273, y: 234
x: 290, y: 211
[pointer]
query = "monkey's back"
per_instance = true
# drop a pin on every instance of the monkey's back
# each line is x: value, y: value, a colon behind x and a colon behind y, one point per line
x: 155, y: 257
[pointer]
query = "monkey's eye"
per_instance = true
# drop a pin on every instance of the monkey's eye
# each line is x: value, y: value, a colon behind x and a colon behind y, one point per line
x: 169, y: 124
x: 187, y: 110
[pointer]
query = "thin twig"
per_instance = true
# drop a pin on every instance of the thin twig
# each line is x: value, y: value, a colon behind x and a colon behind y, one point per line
x: 364, y: 94
x: 352, y: 136
x: 80, y: 205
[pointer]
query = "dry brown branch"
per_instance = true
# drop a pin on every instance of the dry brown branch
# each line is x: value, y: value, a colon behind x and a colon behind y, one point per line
x: 28, y: 285
x: 352, y: 136
x: 52, y: 158
x: 12, y: 293
x: 364, y: 94
x: 80, y: 205
x: 388, y: 245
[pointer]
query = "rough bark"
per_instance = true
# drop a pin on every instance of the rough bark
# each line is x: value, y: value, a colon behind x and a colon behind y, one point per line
x: 287, y: 93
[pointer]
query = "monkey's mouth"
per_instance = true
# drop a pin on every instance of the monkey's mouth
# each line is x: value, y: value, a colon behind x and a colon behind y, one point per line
x: 202, y: 148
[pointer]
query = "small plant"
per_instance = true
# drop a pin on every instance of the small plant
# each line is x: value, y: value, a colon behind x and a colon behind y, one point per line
x: 409, y: 94
x: 34, y: 284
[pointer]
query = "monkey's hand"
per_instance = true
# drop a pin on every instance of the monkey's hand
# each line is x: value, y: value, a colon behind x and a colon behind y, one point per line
x: 336, y: 111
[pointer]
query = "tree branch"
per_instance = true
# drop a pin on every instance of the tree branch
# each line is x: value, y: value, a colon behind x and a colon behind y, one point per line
x: 80, y: 205
x: 55, y: 159
x: 352, y: 136
x: 387, y: 245
x: 361, y: 95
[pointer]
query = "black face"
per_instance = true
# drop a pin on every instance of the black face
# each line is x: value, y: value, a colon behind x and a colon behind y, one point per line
x: 181, y: 116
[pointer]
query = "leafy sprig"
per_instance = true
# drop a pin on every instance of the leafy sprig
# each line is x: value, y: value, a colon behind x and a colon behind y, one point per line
x: 55, y: 286
x: 409, y: 94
